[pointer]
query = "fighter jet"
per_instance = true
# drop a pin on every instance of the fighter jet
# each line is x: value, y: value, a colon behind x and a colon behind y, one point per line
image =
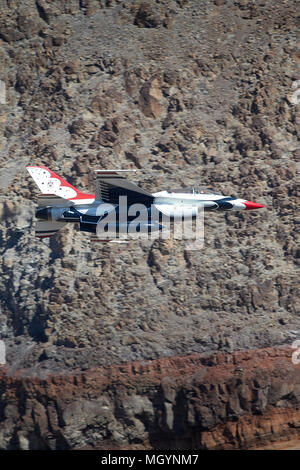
x: 60, y: 203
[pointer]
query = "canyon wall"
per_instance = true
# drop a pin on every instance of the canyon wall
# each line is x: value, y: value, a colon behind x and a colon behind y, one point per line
x: 238, y: 401
x: 188, y: 93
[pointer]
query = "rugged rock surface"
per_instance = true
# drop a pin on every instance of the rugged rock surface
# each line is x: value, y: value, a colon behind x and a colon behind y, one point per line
x: 189, y: 93
x: 237, y: 401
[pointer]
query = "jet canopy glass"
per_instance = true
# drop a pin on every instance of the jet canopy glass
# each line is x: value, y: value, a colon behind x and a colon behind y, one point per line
x: 194, y: 190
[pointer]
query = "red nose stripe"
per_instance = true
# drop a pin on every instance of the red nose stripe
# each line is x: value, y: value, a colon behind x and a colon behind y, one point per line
x: 252, y: 205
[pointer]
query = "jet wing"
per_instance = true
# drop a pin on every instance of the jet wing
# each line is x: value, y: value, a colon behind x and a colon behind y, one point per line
x: 111, y: 184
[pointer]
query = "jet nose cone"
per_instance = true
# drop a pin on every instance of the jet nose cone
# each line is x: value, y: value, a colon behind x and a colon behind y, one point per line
x: 252, y: 205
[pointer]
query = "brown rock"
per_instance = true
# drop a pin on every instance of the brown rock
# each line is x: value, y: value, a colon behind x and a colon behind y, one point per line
x: 109, y: 134
x: 146, y: 17
x: 150, y: 99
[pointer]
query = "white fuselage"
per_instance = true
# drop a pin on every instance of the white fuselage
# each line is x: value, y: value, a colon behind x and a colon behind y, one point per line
x: 168, y: 203
x: 204, y: 200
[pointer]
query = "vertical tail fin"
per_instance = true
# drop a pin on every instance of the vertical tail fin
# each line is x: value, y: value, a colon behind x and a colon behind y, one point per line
x: 50, y: 183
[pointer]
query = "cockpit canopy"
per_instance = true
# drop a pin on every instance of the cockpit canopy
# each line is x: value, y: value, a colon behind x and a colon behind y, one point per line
x: 194, y: 190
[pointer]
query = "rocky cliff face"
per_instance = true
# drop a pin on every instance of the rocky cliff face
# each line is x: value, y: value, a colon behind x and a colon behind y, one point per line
x: 221, y: 401
x: 186, y: 92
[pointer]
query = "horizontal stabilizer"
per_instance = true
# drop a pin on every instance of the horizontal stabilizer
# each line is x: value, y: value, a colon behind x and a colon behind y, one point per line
x: 45, y: 229
x: 52, y: 200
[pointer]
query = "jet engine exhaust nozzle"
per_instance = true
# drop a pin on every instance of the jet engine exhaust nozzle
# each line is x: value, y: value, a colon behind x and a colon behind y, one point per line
x: 43, y: 213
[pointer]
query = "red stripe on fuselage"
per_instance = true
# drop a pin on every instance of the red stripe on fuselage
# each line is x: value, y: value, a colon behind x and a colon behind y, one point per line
x: 82, y: 196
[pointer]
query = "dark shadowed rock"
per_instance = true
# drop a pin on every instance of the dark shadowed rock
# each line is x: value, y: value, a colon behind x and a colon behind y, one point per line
x: 146, y: 16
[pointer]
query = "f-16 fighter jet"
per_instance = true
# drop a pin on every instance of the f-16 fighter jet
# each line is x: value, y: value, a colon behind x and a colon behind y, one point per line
x: 60, y: 203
